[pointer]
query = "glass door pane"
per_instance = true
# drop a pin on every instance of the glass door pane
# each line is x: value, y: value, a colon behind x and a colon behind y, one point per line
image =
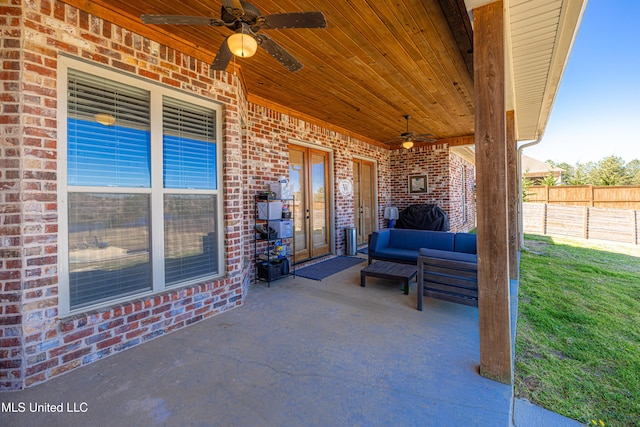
x: 297, y: 176
x: 320, y: 203
x: 363, y: 199
x: 367, y: 200
x: 309, y: 175
x: 356, y: 201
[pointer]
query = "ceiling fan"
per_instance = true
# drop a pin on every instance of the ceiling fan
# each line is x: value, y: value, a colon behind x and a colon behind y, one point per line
x: 246, y: 20
x: 407, y: 139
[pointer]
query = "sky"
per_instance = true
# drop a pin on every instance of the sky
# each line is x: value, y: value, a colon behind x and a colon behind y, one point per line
x: 596, y: 112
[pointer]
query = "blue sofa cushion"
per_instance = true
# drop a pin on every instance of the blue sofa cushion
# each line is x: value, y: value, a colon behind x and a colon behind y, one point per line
x: 465, y: 242
x: 454, y: 256
x: 416, y: 239
x: 406, y: 255
x: 379, y: 240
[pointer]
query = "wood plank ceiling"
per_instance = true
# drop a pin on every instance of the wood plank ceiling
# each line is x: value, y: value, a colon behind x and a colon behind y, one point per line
x: 376, y: 61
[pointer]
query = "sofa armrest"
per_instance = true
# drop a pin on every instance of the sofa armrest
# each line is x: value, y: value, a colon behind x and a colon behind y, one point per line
x: 451, y: 276
x: 379, y: 240
x: 448, y: 255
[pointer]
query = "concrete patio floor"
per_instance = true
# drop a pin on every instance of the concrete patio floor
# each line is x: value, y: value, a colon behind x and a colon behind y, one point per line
x: 301, y: 353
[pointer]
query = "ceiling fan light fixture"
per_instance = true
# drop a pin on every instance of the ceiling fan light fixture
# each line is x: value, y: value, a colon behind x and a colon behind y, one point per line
x: 242, y: 45
x: 407, y: 144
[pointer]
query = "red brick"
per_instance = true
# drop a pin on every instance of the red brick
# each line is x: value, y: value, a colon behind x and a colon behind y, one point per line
x: 78, y: 335
x: 76, y: 354
x: 109, y: 342
x: 41, y: 367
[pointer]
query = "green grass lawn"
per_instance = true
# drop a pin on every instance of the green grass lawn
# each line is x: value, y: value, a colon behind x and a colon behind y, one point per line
x: 578, y: 333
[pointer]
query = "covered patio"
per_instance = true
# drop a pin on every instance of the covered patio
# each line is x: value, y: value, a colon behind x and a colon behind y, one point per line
x: 304, y: 352
x: 478, y: 75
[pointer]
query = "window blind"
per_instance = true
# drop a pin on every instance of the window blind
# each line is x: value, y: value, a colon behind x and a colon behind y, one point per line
x: 116, y: 155
x: 189, y: 146
x: 89, y: 95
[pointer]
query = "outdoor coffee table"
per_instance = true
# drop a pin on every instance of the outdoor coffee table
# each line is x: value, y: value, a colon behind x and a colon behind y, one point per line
x: 390, y: 270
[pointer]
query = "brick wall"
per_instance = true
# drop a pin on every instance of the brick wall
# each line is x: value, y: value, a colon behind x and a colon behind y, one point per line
x: 46, y: 345
x: 11, y: 260
x: 462, y: 190
x: 444, y: 186
x: 269, y: 135
x: 432, y: 160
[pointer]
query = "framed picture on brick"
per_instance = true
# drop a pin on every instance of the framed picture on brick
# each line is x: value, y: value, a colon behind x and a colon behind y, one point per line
x: 417, y: 184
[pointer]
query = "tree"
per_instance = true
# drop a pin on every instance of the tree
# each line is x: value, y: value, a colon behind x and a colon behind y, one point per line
x: 569, y: 171
x: 580, y: 174
x: 633, y: 170
x: 609, y: 171
x: 526, y: 184
x: 549, y: 180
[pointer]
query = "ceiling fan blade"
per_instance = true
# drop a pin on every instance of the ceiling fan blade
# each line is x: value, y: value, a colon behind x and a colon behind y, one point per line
x: 292, y: 20
x: 223, y: 57
x: 181, y: 20
x: 396, y: 140
x: 278, y: 52
x: 233, y: 7
x: 424, y: 138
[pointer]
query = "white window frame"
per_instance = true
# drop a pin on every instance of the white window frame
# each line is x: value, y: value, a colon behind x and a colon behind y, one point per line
x: 157, y: 92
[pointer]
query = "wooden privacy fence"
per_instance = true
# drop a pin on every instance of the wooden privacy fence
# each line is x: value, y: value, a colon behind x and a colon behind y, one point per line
x: 619, y: 197
x: 618, y: 225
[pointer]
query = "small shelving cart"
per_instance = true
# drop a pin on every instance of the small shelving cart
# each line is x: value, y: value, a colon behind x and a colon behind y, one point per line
x: 274, y: 243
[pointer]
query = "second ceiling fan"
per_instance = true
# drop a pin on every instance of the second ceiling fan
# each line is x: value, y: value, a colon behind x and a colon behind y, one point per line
x: 246, y: 21
x: 407, y: 139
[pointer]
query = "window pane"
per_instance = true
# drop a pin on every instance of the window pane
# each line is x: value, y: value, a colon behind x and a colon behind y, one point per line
x: 108, y: 246
x: 108, y: 128
x: 190, y: 236
x: 107, y: 156
x: 189, y: 148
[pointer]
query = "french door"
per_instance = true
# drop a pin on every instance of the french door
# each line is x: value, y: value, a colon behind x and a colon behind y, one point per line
x: 363, y: 198
x: 309, y: 174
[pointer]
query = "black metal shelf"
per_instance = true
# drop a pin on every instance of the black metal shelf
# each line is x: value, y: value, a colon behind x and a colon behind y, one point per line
x: 273, y: 267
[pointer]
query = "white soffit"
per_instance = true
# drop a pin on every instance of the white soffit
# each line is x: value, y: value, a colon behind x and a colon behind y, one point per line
x: 467, y: 152
x: 540, y: 36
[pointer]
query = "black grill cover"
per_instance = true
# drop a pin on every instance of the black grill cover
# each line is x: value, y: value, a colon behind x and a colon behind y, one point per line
x: 423, y: 217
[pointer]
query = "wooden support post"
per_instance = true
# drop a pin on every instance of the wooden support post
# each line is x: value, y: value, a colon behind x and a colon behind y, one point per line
x: 494, y: 306
x: 513, y: 194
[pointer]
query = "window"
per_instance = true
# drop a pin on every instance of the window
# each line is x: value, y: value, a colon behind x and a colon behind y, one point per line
x: 139, y: 191
x: 189, y: 163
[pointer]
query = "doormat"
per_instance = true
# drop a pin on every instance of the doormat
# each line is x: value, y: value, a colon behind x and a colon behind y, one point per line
x: 325, y: 269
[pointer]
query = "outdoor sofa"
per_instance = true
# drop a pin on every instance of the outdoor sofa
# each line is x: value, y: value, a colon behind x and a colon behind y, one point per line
x: 447, y: 262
